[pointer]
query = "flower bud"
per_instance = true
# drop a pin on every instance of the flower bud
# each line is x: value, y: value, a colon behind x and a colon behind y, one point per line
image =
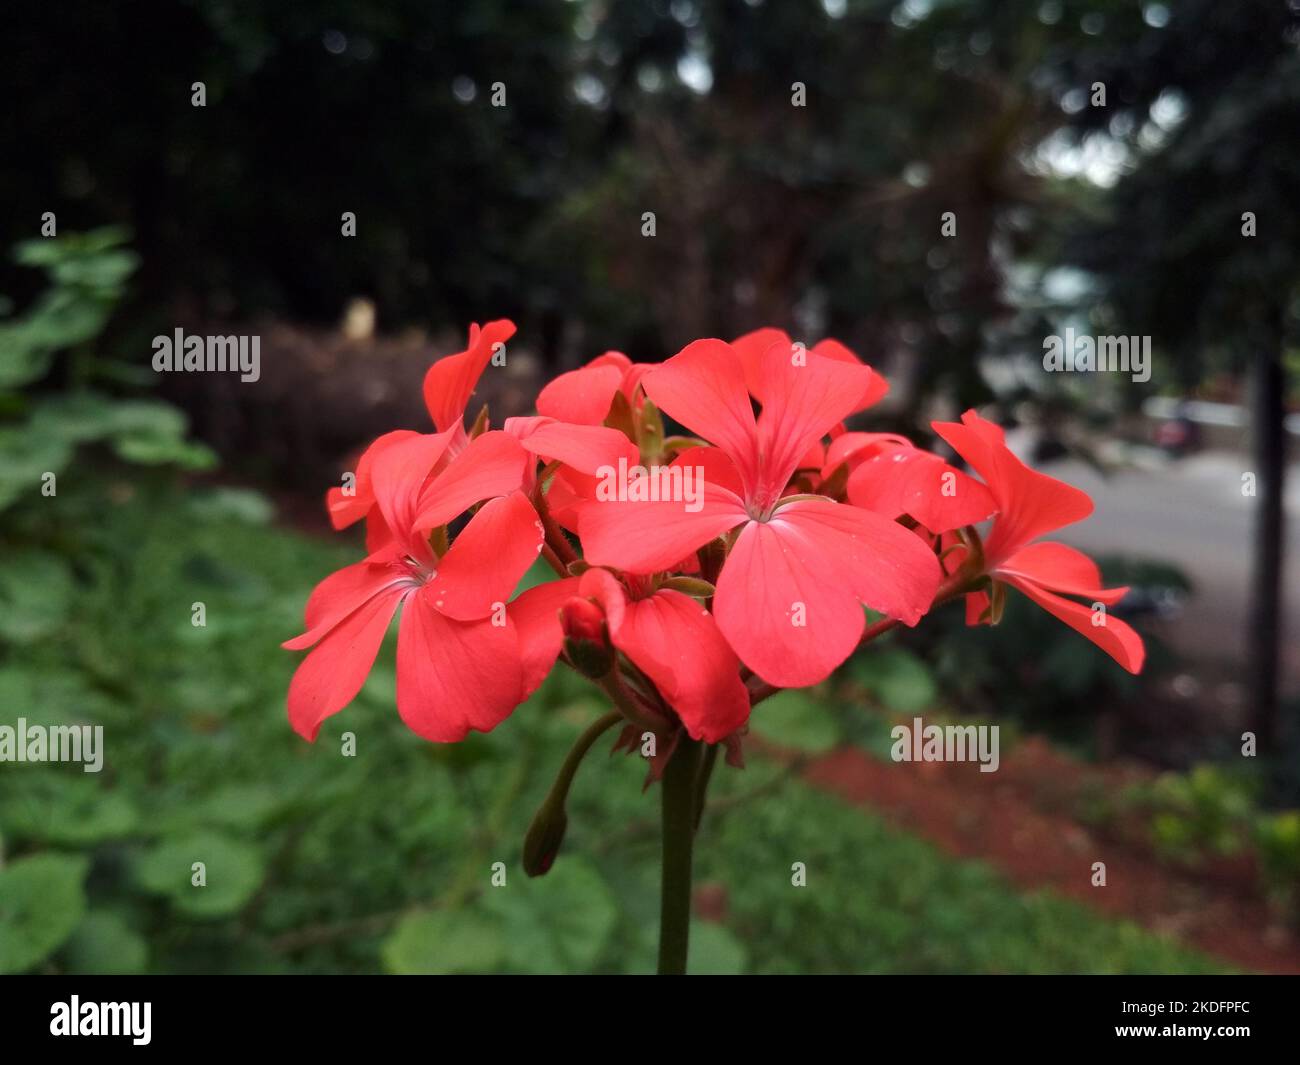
x: 545, y: 834
x: 586, y: 640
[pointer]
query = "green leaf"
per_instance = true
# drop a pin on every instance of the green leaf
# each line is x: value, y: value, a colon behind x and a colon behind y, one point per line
x: 41, y: 902
x: 26, y: 454
x: 793, y: 718
x: 35, y: 595
x: 105, y: 944
x: 232, y: 872
x: 443, y: 942
x: 558, y: 923
x: 57, y: 808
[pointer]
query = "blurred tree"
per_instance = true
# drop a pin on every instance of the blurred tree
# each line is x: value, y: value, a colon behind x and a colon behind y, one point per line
x: 383, y: 109
x: 1199, y: 244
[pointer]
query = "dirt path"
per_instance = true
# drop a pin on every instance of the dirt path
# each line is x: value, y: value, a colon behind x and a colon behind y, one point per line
x: 1020, y: 823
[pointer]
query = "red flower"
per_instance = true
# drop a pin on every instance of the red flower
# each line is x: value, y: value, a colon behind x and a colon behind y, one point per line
x: 790, y: 595
x: 460, y: 661
x: 1029, y: 505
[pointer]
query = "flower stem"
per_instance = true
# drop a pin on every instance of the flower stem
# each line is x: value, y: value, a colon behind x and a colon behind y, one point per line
x: 679, y: 808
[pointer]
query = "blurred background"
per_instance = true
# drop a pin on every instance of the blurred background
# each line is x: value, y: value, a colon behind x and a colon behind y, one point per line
x: 633, y: 175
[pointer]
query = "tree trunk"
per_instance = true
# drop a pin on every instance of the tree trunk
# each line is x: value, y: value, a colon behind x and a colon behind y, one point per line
x: 1267, y: 417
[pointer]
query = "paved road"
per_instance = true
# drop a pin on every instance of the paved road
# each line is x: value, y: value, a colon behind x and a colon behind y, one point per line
x: 1192, y: 513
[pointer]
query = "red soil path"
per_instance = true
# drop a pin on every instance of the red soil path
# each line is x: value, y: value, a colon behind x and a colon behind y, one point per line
x: 1017, y: 820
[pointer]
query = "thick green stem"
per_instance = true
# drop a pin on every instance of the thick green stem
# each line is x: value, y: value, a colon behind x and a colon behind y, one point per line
x: 679, y: 807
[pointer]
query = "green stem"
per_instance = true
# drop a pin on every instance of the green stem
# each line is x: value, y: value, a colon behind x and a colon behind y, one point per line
x: 679, y: 803
x: 702, y: 785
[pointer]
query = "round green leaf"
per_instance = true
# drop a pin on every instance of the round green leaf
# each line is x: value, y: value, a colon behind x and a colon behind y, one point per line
x: 232, y: 872
x: 443, y: 942
x: 41, y: 902
x: 104, y: 943
x: 557, y: 923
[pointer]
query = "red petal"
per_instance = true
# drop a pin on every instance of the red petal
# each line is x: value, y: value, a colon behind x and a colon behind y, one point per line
x: 451, y: 380
x: 1061, y: 569
x: 492, y: 464
x: 677, y: 644
x: 877, y: 387
x: 587, y: 448
x: 399, y: 476
x: 649, y: 537
x: 453, y: 676
x: 537, y: 623
x: 907, y: 480
x: 332, y: 674
x: 343, y: 592
x: 782, y: 609
x: 886, y: 566
x: 858, y: 447
x: 703, y: 388
x: 805, y: 398
x: 581, y: 396
x: 487, y: 559
x: 751, y: 348
x: 1115, y: 637
x: 1029, y: 503
x: 346, y: 509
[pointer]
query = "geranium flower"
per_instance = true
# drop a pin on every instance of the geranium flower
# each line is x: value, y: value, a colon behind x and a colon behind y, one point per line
x: 460, y: 665
x: 1031, y: 504
x: 790, y: 594
x: 448, y: 386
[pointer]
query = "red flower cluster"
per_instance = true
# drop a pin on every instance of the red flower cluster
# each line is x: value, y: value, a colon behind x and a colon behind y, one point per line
x: 693, y: 572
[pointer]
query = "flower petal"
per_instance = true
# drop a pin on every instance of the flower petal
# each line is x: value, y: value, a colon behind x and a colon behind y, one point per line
x: 345, y: 508
x: 453, y: 676
x: 1029, y: 503
x: 782, y: 610
x: 806, y: 397
x: 652, y: 536
x: 1113, y: 636
x: 886, y: 566
x: 587, y: 448
x: 1060, y: 569
x: 907, y: 480
x: 581, y: 396
x: 537, y: 623
x: 343, y: 592
x: 332, y: 674
x: 492, y: 464
x: 677, y: 644
x: 450, y: 381
x: 485, y: 562
x: 399, y: 475
x: 703, y: 388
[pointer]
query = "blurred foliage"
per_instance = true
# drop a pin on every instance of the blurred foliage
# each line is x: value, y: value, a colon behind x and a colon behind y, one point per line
x: 819, y: 217
x: 316, y: 861
x: 41, y: 427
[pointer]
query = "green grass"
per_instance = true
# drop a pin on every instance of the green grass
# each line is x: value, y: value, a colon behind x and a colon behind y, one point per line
x: 320, y: 862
